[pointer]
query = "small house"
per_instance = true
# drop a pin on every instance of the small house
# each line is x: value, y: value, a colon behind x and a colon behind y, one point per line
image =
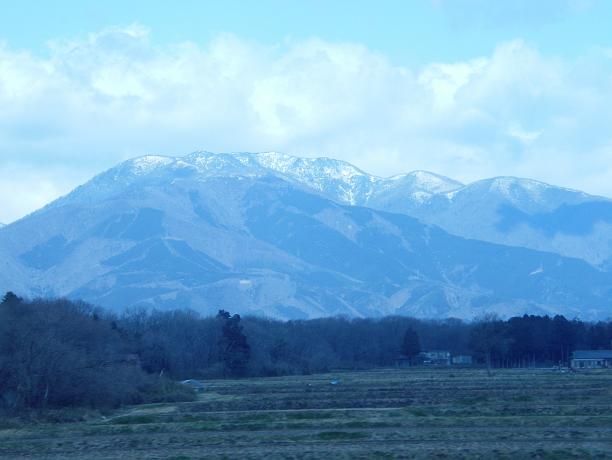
x: 436, y: 358
x: 591, y: 359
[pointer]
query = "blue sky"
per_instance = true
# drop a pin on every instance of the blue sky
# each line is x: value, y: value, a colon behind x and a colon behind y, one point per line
x: 409, y: 32
x: 466, y: 88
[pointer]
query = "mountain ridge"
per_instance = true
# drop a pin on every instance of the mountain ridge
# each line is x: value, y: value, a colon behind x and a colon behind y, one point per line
x: 312, y: 172
x: 300, y: 169
x: 210, y: 231
x: 496, y: 210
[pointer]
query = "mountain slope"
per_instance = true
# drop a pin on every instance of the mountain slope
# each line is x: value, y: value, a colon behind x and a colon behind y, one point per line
x: 228, y: 231
x: 503, y: 210
x: 524, y: 213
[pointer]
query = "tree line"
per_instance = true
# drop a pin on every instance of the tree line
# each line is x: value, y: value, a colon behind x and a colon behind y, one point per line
x: 56, y: 353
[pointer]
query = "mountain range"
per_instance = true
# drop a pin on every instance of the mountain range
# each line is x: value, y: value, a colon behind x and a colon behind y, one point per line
x: 290, y: 237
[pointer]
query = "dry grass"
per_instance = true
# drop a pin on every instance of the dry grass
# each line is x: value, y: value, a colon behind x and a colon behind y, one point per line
x: 415, y: 413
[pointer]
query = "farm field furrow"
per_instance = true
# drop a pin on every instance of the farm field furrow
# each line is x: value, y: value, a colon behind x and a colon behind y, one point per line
x: 395, y: 413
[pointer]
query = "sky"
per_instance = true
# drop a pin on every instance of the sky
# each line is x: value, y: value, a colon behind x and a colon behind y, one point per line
x: 466, y: 88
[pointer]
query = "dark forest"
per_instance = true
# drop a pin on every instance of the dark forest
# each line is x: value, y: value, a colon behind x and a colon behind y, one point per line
x: 58, y: 353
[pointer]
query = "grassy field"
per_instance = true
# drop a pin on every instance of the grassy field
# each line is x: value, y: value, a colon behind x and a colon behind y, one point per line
x: 408, y: 413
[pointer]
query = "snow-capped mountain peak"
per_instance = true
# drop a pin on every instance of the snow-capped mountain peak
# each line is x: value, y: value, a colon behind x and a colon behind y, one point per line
x: 486, y: 209
x: 287, y: 164
x: 511, y: 187
x: 528, y: 195
x: 335, y: 179
x: 146, y: 164
x: 193, y: 226
x: 425, y: 181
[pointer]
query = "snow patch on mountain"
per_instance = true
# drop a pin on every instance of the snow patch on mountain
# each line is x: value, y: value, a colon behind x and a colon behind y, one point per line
x: 334, y: 179
x: 148, y: 163
x: 432, y: 183
x: 523, y: 193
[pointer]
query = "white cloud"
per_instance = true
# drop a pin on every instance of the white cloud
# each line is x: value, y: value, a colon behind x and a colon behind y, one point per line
x: 27, y: 189
x: 115, y: 94
x: 526, y: 137
x: 445, y: 80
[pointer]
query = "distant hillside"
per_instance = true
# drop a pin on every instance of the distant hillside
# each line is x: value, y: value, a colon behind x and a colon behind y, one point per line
x: 241, y: 232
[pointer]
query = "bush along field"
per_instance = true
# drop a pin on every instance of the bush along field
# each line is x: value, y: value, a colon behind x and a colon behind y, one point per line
x: 393, y: 413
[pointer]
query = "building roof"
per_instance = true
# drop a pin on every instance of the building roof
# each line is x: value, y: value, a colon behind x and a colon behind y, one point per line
x: 592, y: 354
